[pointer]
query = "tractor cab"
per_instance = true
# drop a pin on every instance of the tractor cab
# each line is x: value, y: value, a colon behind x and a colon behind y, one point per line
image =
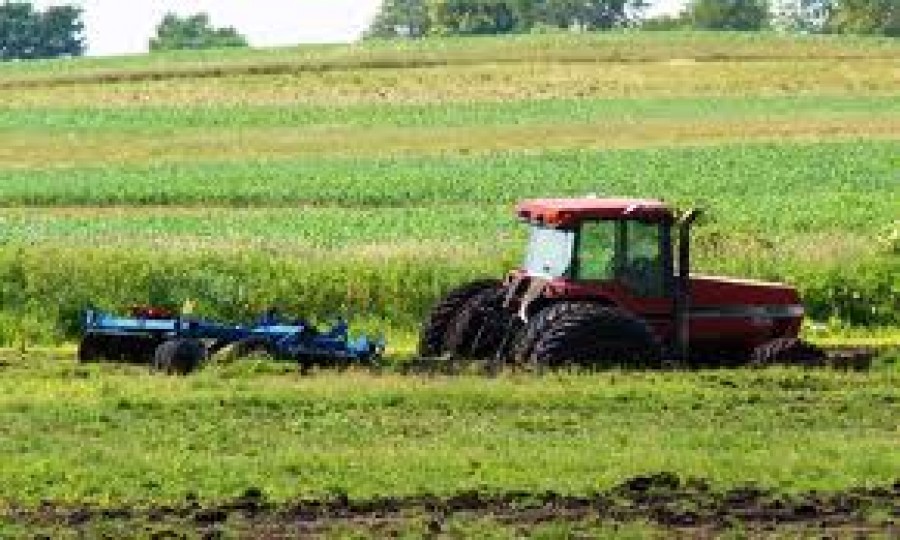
x: 623, y: 241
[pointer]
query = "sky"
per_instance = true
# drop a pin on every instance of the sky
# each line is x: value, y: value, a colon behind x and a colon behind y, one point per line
x: 114, y: 27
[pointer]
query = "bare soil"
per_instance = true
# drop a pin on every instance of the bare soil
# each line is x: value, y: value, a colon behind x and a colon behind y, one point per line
x: 688, y: 507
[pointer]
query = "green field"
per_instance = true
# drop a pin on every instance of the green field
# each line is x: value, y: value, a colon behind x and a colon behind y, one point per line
x: 367, y: 180
x: 113, y: 436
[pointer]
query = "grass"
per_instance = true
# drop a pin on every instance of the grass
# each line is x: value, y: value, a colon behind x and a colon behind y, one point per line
x: 232, y: 428
x: 615, y: 47
x: 480, y: 82
x: 161, y: 120
x: 836, y: 175
x: 367, y: 180
x: 190, y: 145
x: 815, y: 215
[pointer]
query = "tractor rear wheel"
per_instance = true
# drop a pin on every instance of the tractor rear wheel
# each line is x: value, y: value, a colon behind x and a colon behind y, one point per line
x: 596, y: 336
x: 478, y: 329
x: 179, y: 356
x: 432, y: 335
x: 788, y: 351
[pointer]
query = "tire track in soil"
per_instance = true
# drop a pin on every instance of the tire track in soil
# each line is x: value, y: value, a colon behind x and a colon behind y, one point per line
x: 688, y: 506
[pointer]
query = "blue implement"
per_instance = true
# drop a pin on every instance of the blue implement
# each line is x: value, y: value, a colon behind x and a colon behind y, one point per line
x: 139, y: 338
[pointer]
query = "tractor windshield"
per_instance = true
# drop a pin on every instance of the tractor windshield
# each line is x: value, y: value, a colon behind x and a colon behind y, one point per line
x: 549, y: 251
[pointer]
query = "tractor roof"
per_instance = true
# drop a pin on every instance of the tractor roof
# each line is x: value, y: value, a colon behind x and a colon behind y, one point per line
x: 568, y: 212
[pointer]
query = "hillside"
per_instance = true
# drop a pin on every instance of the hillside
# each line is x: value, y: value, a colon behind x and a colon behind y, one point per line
x: 369, y: 178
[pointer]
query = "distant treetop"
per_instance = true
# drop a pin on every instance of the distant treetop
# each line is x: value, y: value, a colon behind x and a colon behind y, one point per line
x: 27, y: 34
x: 193, y: 32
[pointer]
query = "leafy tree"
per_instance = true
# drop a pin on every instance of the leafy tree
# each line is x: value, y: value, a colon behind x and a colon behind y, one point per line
x: 866, y: 17
x: 61, y: 31
x: 461, y: 17
x: 454, y: 17
x: 801, y: 15
x: 729, y: 14
x: 667, y: 22
x: 26, y: 33
x: 589, y: 14
x: 407, y: 18
x: 193, y: 32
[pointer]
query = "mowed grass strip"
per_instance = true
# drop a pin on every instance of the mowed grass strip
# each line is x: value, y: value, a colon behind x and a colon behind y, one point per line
x: 484, y: 82
x: 28, y: 150
x: 559, y: 48
x: 118, y: 434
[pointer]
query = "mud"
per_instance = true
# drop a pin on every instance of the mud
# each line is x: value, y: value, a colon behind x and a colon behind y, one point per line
x: 681, y: 506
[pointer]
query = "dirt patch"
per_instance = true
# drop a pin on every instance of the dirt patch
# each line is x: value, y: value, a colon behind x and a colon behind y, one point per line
x: 688, y: 506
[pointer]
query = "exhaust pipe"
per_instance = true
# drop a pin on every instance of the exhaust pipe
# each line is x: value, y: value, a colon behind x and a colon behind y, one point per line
x: 682, y: 303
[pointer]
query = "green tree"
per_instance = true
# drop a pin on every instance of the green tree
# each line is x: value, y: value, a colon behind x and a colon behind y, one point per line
x: 866, y: 17
x: 26, y: 33
x: 801, y: 15
x: 729, y: 14
x: 455, y: 17
x: 193, y: 32
x: 465, y: 17
x: 408, y: 18
x: 61, y: 31
x: 589, y: 14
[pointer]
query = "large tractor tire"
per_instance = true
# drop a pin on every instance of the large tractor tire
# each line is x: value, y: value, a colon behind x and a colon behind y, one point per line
x: 179, y: 356
x: 478, y: 329
x: 523, y: 342
x: 434, y: 329
x: 595, y: 336
x: 788, y: 351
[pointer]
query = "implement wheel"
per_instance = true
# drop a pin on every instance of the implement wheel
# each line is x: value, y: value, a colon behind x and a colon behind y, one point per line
x: 434, y: 329
x: 253, y: 346
x: 92, y: 348
x: 594, y: 336
x: 179, y: 356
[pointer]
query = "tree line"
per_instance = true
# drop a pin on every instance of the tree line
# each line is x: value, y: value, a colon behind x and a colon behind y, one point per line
x: 418, y: 18
x: 26, y: 33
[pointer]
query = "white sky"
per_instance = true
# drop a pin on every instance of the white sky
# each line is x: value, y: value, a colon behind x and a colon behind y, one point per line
x: 125, y: 26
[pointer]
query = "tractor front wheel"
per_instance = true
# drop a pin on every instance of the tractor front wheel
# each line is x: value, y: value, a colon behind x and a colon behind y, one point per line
x: 594, y: 336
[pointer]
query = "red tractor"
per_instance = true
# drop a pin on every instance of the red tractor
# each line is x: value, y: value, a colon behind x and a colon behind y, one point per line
x: 607, y: 282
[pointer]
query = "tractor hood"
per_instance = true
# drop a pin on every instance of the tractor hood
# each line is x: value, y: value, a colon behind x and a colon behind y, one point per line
x: 721, y: 291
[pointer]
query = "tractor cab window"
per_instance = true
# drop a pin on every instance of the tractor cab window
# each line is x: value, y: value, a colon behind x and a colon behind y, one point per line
x: 641, y: 264
x: 549, y: 252
x: 626, y: 251
x: 596, y: 251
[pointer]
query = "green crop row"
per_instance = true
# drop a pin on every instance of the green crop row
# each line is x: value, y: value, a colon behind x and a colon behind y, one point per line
x: 525, y: 112
x: 769, y: 186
